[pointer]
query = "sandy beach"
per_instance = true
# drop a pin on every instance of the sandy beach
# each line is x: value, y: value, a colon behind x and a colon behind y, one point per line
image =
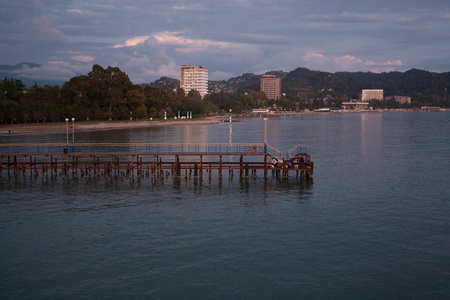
x: 94, y: 126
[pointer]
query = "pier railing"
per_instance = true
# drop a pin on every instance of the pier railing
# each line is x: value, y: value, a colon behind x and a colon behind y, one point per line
x: 298, y: 149
x: 143, y: 148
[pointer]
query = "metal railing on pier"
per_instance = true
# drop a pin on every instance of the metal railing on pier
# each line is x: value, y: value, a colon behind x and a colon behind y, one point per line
x: 298, y: 149
x: 142, y: 148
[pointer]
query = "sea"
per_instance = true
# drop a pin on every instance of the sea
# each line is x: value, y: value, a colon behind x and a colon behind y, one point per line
x: 374, y: 223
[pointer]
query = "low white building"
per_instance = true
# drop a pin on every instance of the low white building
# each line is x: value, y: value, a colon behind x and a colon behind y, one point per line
x: 355, y: 105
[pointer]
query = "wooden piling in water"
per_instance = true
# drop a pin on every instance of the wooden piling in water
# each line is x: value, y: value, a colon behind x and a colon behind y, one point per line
x: 144, y: 165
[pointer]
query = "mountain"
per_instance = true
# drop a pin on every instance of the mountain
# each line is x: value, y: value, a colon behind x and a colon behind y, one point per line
x: 304, y: 84
x: 167, y: 82
x: 18, y: 66
x: 13, y: 72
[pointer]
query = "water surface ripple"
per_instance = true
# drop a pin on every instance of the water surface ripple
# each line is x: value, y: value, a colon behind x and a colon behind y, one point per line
x: 373, y: 223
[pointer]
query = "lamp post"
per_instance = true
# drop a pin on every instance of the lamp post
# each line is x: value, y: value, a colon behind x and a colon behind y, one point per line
x: 265, y: 135
x: 265, y: 130
x: 73, y: 131
x: 67, y: 131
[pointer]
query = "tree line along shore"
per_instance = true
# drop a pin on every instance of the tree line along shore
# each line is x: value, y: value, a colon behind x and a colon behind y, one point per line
x: 108, y: 95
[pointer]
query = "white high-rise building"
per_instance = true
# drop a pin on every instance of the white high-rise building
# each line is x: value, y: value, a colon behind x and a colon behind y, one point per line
x: 194, y: 78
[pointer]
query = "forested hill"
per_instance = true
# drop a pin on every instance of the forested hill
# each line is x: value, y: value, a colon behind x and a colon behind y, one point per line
x: 411, y: 83
x: 418, y: 84
x: 303, y: 83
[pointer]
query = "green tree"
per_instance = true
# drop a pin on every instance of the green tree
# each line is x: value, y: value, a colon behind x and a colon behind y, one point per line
x: 135, y: 98
x: 141, y: 112
x: 153, y: 113
x: 11, y: 89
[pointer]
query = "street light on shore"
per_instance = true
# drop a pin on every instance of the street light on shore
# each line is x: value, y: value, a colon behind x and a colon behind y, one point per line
x: 67, y: 131
x: 73, y: 131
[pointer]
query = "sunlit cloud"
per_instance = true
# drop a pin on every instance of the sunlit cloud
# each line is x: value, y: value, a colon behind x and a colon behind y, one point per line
x: 74, y: 11
x: 181, y: 43
x: 133, y: 41
x: 188, y: 45
x: 319, y: 61
x: 387, y: 63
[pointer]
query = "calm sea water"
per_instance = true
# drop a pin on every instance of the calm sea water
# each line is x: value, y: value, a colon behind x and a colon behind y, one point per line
x: 374, y: 224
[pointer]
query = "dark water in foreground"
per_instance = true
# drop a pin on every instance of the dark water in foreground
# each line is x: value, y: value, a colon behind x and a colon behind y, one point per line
x: 373, y: 224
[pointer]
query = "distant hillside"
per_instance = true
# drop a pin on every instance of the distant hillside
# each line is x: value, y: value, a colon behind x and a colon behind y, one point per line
x: 418, y: 84
x: 167, y: 82
x: 301, y: 83
x: 412, y: 83
x: 307, y: 84
x: 247, y: 82
x: 18, y: 66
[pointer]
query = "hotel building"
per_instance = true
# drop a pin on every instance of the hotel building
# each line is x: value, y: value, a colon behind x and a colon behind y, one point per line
x: 271, y: 85
x: 367, y: 95
x: 194, y: 78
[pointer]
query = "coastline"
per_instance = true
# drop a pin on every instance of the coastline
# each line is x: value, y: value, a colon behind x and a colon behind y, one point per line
x: 99, y: 126
x: 7, y: 129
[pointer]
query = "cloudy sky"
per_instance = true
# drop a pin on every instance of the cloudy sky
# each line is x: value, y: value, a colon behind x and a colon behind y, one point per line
x: 149, y: 39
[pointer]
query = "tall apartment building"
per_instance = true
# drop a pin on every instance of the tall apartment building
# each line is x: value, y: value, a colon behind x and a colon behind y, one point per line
x: 271, y: 85
x: 194, y: 78
x: 367, y: 95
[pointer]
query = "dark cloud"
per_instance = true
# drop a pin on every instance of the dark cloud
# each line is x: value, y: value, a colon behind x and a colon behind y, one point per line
x: 150, y: 39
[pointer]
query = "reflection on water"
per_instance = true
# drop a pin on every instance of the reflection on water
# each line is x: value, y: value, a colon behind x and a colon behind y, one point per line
x: 371, y: 133
x: 131, y: 191
x: 366, y: 228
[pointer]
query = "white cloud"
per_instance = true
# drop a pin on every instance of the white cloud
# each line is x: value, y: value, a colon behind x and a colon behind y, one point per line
x: 349, y: 63
x: 146, y: 61
x: 187, y: 45
x: 133, y: 41
x: 83, y: 58
x: 387, y: 63
x: 54, y: 70
x: 219, y: 75
x: 45, y: 27
x: 182, y: 44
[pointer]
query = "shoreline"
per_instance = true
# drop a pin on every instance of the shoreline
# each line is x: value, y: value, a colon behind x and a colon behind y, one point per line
x: 99, y: 126
x: 8, y: 129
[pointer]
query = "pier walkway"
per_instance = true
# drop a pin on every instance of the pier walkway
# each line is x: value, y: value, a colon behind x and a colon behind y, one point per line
x: 152, y: 159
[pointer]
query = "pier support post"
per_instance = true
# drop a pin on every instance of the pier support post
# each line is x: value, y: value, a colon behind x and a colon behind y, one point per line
x: 265, y: 166
x: 241, y: 167
x: 177, y: 160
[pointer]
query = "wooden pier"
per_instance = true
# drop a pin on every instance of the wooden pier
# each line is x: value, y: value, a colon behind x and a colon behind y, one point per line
x: 151, y: 160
